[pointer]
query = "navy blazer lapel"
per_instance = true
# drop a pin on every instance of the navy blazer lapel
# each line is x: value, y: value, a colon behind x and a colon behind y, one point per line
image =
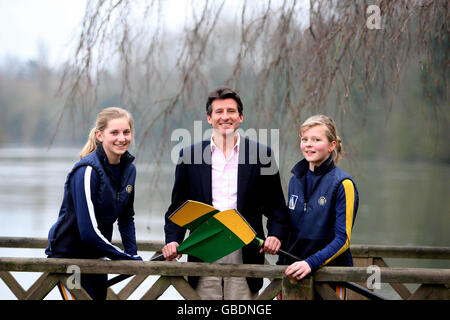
x: 205, y: 172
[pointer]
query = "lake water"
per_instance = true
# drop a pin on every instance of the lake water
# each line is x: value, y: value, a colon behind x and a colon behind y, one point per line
x: 400, y: 204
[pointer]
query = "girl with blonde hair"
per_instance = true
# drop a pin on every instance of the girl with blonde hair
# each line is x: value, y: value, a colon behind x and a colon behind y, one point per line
x: 323, y: 201
x: 99, y: 191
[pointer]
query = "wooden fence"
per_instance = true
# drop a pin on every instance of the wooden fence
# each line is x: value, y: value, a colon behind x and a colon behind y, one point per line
x: 434, y: 283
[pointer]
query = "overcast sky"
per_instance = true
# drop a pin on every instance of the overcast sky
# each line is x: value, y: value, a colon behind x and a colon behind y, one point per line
x: 25, y: 25
x: 28, y: 25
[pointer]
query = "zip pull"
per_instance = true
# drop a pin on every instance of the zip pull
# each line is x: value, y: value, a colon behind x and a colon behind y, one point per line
x: 304, y: 206
x: 118, y: 196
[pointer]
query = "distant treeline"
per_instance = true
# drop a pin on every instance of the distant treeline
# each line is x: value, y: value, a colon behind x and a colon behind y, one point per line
x: 30, y: 108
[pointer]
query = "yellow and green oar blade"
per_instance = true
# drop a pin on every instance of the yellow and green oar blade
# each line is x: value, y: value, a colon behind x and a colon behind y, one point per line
x: 192, y: 214
x: 222, y: 234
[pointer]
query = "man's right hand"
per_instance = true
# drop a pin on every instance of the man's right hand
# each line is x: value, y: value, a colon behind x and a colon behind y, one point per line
x: 170, y: 251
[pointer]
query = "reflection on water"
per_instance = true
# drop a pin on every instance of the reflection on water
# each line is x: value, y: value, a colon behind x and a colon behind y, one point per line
x: 32, y: 185
x: 404, y: 204
x: 400, y: 203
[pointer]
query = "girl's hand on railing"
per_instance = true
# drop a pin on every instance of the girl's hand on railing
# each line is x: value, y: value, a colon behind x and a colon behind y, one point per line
x: 298, y: 270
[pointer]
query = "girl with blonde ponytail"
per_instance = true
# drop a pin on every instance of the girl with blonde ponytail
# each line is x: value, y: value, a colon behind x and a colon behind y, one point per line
x: 99, y: 191
x: 100, y: 124
x: 323, y: 201
x: 90, y: 145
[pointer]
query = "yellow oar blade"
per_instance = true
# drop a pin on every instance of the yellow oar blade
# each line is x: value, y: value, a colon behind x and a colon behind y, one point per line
x: 192, y: 214
x: 232, y: 220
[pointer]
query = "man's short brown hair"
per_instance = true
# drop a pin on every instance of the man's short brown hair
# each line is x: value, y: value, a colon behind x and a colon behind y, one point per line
x: 223, y: 92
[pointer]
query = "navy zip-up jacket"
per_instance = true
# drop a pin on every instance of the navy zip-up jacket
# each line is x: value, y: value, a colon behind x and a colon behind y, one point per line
x: 90, y: 207
x: 321, y: 217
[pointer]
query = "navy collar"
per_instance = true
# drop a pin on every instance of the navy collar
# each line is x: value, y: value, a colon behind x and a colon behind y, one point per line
x: 301, y: 168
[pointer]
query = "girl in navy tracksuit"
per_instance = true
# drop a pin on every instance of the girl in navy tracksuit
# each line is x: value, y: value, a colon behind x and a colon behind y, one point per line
x: 99, y: 191
x: 323, y: 201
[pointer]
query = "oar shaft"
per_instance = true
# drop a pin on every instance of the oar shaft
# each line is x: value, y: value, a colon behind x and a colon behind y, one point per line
x: 259, y: 242
x: 287, y: 254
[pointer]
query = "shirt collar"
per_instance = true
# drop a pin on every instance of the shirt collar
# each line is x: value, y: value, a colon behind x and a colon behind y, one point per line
x: 235, y: 147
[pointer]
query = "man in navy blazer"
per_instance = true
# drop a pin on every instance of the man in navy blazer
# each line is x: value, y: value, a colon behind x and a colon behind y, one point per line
x: 228, y: 172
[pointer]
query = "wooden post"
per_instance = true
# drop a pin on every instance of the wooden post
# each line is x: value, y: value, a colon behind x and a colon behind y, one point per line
x: 298, y: 290
x: 271, y: 291
x: 359, y: 262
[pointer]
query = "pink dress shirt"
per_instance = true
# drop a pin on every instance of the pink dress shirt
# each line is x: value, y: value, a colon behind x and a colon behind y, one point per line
x: 224, y: 176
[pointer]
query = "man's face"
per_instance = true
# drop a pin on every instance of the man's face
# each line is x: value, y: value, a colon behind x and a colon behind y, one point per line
x: 225, y: 118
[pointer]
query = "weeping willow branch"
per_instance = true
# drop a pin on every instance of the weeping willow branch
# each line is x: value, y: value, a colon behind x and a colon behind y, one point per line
x: 287, y: 58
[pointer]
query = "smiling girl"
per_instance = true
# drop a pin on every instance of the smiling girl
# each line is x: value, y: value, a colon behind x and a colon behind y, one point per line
x: 99, y: 191
x: 323, y: 201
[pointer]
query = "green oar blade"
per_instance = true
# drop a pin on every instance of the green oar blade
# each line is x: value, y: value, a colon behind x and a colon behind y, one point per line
x: 210, y: 242
x: 192, y: 214
x: 217, y: 237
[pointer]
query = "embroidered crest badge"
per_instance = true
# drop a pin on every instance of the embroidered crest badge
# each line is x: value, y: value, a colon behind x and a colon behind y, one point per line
x: 293, y: 201
x: 322, y: 200
x: 129, y: 188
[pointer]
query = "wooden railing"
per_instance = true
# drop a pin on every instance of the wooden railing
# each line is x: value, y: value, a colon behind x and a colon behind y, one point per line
x: 368, y: 255
x: 434, y: 283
